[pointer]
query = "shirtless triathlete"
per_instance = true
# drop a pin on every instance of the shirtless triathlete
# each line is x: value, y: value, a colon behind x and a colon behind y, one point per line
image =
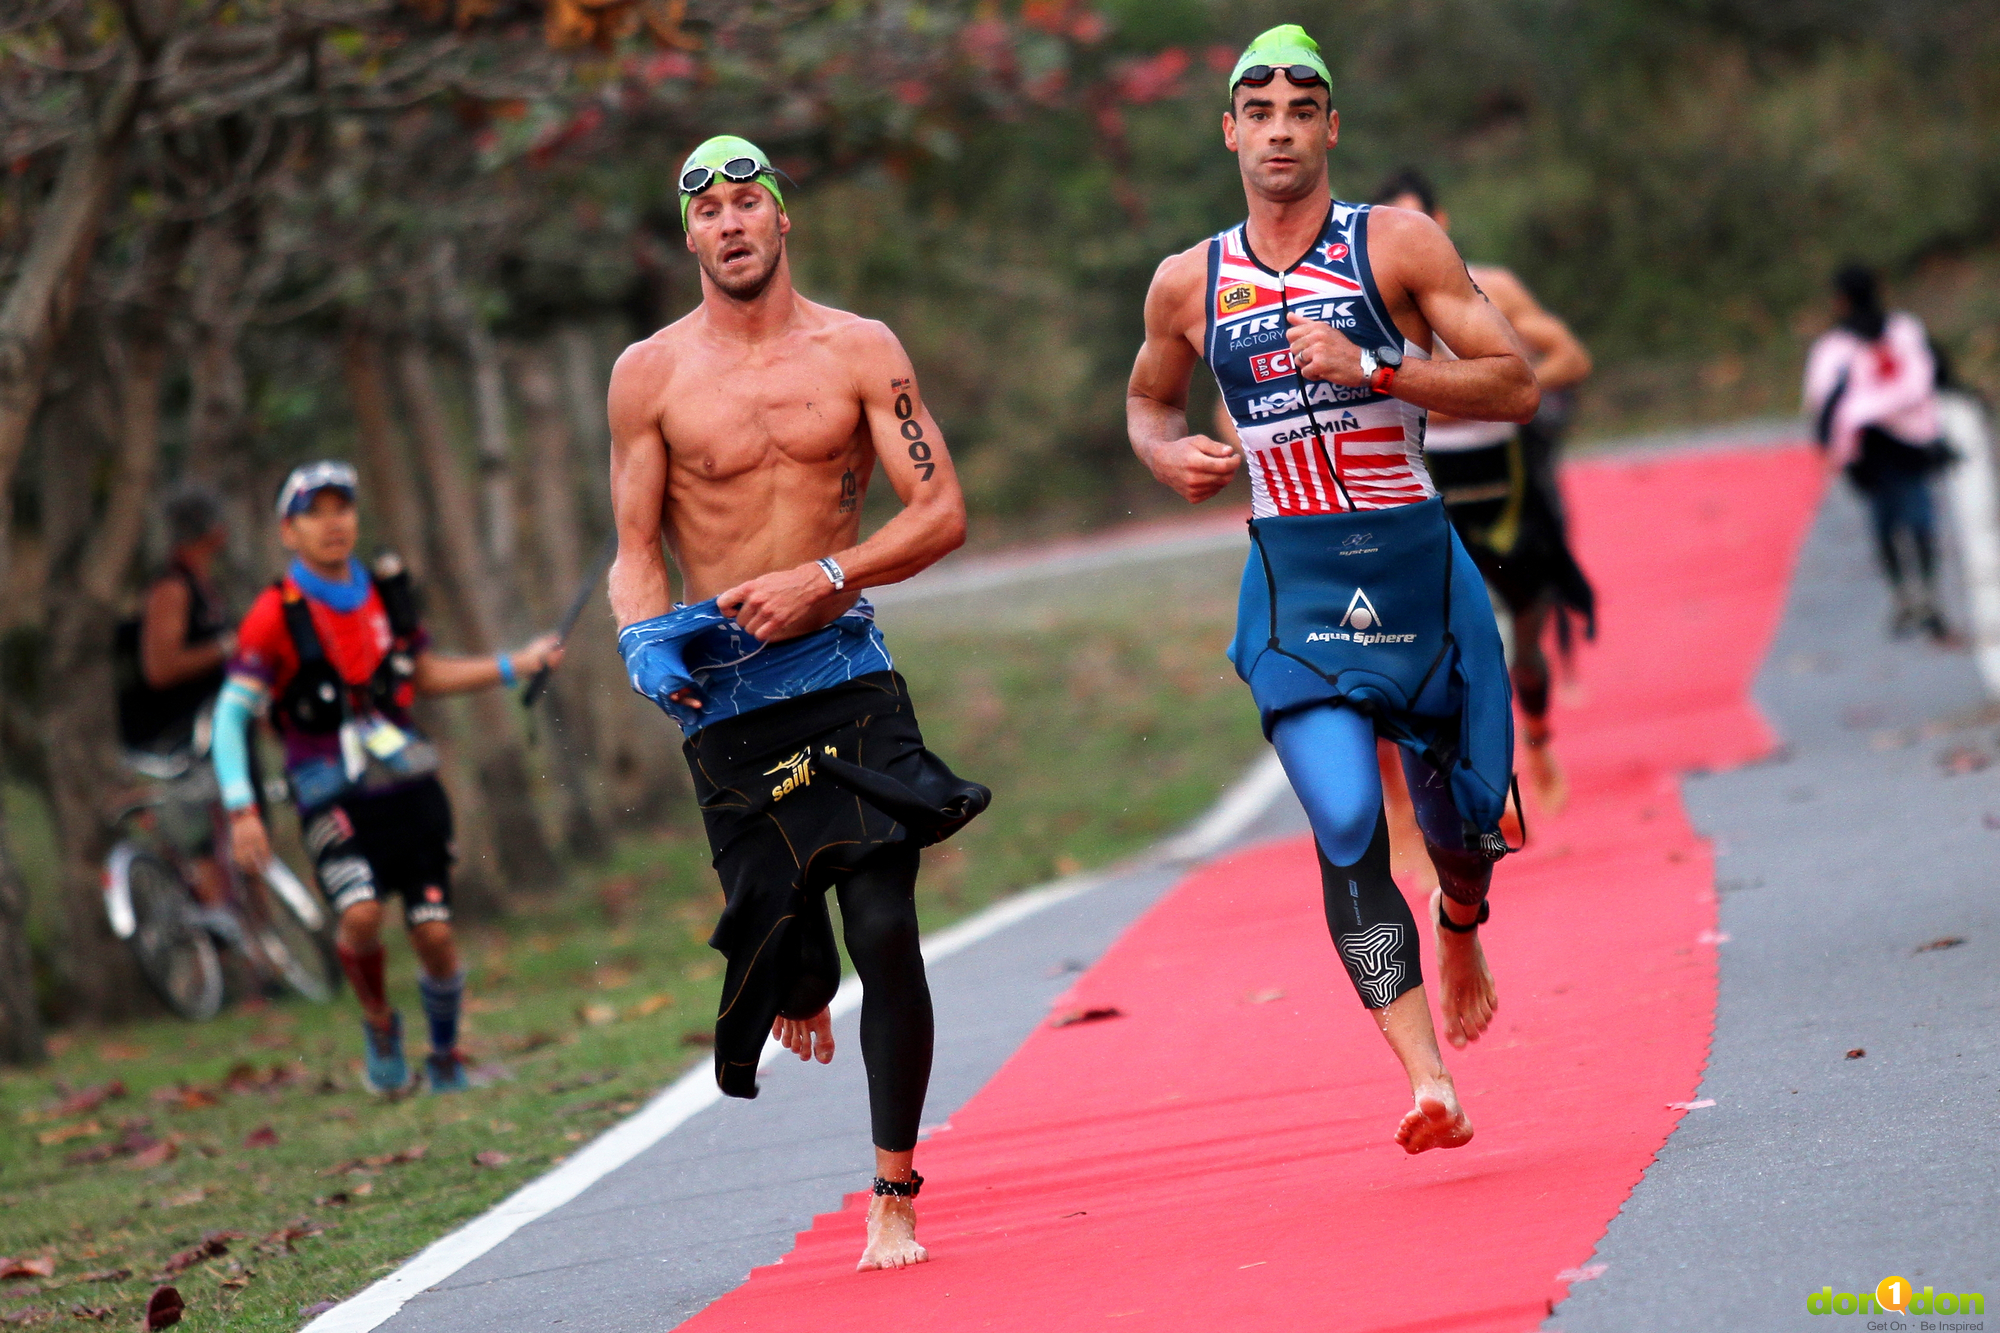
x: 744, y: 435
x: 1499, y: 486
x: 1315, y: 317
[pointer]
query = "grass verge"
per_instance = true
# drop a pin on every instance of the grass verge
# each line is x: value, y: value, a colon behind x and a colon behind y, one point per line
x: 240, y: 1160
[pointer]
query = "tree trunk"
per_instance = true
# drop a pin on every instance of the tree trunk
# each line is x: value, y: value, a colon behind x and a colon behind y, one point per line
x: 525, y: 860
x: 385, y: 480
x: 568, y: 696
x: 489, y: 415
x: 49, y: 281
x: 20, y: 1016
x: 90, y: 566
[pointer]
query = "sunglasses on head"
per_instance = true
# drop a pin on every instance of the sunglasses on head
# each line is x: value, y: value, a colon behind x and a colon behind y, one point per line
x: 737, y: 170
x: 1259, y: 75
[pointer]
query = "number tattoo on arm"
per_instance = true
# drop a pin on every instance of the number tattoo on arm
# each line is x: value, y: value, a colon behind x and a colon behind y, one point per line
x: 913, y: 431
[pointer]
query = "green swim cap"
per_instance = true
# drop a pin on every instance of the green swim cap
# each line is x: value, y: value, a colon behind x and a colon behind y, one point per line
x: 713, y: 157
x: 1286, y: 44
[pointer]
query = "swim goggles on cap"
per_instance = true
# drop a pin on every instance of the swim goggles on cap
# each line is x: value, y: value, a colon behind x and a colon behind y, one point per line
x: 737, y: 170
x: 309, y: 479
x: 1259, y: 75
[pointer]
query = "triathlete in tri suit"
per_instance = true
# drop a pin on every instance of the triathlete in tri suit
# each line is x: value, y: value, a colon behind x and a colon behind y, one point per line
x: 1314, y: 317
x: 743, y: 437
x: 1499, y: 485
x: 337, y: 658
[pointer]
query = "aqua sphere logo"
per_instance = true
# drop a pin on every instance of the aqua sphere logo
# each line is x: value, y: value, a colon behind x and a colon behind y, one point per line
x: 1895, y: 1296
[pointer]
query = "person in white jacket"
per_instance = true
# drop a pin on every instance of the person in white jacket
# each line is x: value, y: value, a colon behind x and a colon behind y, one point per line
x: 1871, y: 391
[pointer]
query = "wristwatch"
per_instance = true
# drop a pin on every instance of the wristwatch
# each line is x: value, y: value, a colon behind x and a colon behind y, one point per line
x: 1379, y: 366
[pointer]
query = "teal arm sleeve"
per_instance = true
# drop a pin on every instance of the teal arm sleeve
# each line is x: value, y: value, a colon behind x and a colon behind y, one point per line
x: 235, y: 710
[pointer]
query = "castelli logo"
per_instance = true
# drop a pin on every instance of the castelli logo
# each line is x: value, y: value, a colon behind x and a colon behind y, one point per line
x: 1336, y: 252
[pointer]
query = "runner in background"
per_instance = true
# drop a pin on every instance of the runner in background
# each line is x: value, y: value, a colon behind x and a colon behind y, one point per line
x: 1499, y: 484
x: 1871, y: 391
x: 336, y: 658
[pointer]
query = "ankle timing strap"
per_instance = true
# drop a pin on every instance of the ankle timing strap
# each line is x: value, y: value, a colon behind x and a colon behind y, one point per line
x: 1444, y: 918
x: 901, y: 1189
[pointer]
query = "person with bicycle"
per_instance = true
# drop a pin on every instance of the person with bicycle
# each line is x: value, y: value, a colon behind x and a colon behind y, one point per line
x: 336, y: 658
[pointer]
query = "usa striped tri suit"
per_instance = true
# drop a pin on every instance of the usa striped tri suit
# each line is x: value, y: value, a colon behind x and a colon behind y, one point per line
x: 1291, y: 429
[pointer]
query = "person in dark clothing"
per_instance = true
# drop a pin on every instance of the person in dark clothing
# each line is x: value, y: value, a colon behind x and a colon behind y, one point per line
x: 1871, y: 391
x: 183, y: 635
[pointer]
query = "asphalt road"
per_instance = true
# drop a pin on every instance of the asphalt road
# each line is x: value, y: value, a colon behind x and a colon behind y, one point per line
x: 1837, y: 863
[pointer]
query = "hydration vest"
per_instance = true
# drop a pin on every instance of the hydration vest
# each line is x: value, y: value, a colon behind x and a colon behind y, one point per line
x: 318, y: 699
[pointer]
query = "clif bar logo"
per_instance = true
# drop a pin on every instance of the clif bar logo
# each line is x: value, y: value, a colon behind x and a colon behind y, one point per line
x: 1895, y: 1295
x: 1270, y: 365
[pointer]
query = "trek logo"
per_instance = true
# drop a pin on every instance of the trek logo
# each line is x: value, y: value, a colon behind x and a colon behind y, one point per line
x: 1235, y: 297
x: 1270, y: 365
x: 1340, y: 314
x: 797, y: 771
x: 1895, y: 1295
x: 1360, y: 612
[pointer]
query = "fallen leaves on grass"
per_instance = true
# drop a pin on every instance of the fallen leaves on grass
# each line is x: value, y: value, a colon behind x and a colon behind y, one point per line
x: 412, y: 1153
x: 40, y: 1265
x: 27, y: 1314
x: 133, y: 1140
x: 104, y: 1275
x: 528, y: 1041
x: 697, y: 1038
x: 596, y: 1015
x: 620, y: 1105
x: 261, y: 1137
x: 187, y: 1198
x: 213, y: 1246
x: 583, y: 1081
x: 341, y: 1198
x: 74, y: 1103
x: 83, y: 1129
x: 158, y: 1154
x: 649, y: 1006
x: 244, y: 1077
x: 316, y: 1309
x: 492, y: 1157
x: 110, y: 1051
x: 186, y: 1097
x: 91, y: 1311
x: 284, y: 1238
x: 163, y: 1309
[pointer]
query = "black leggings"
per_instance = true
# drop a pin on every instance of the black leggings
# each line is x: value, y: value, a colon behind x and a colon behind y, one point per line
x: 878, y: 914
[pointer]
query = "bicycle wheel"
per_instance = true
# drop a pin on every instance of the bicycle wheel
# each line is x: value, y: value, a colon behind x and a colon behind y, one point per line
x: 292, y: 932
x: 176, y: 955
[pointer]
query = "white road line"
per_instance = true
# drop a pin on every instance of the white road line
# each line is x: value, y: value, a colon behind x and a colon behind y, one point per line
x: 1975, y: 505
x: 695, y: 1091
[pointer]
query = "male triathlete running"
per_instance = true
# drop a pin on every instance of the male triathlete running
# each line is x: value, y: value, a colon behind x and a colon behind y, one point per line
x: 337, y: 658
x: 744, y: 435
x: 1498, y: 483
x: 1315, y: 317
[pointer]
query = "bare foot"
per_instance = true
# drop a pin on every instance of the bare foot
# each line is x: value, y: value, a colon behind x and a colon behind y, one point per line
x: 1466, y: 995
x: 1546, y: 776
x: 807, y: 1038
x: 1437, y: 1121
x: 892, y: 1235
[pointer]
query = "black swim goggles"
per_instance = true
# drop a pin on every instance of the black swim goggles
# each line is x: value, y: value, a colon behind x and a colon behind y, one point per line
x: 1259, y: 75
x: 737, y: 170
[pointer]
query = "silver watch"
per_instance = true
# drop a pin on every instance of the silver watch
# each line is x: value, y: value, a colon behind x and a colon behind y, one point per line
x: 1369, y: 365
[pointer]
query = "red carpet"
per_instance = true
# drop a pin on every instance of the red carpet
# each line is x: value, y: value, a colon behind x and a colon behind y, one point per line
x: 1220, y: 1158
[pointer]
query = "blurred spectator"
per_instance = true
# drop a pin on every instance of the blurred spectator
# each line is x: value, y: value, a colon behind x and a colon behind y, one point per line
x: 174, y: 654
x: 1871, y: 390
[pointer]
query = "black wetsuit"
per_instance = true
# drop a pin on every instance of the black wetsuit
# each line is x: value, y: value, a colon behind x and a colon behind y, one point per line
x: 832, y: 789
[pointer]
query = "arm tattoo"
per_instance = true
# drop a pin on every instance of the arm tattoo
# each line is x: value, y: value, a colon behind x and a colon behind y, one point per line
x: 1476, y: 287
x: 913, y: 431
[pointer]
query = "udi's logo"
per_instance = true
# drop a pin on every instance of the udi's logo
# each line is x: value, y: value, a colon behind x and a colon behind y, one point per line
x: 1237, y: 296
x: 1270, y: 365
x: 1894, y: 1295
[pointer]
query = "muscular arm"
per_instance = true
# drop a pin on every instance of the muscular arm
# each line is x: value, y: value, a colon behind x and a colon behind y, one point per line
x: 1424, y: 281
x: 1555, y: 355
x: 165, y: 659
x: 913, y: 456
x: 639, y: 583
x: 1195, y: 466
